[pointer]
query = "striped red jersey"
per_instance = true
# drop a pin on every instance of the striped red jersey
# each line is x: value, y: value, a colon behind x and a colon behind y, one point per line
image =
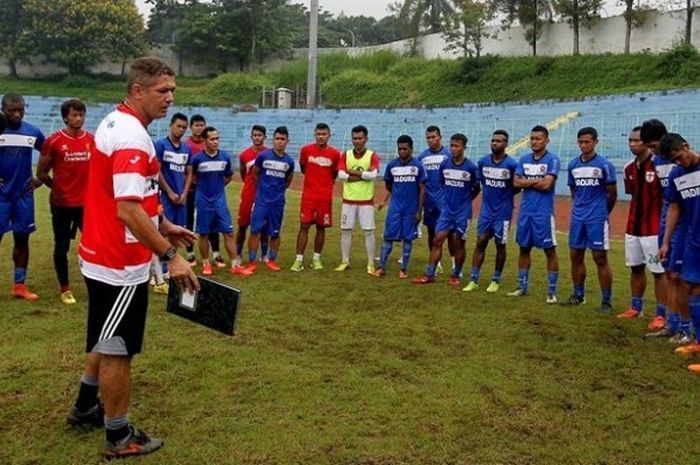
x: 123, y: 166
x: 642, y: 183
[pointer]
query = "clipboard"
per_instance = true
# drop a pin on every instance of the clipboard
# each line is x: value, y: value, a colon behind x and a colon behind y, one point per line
x: 215, y: 305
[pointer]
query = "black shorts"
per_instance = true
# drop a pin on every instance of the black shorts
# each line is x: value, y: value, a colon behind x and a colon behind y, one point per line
x: 116, y: 318
x: 66, y: 221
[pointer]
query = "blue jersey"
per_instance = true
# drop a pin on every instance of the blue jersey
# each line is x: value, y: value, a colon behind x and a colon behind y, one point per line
x: 16, y: 147
x: 496, y: 180
x: 461, y: 185
x: 404, y: 180
x: 590, y: 180
x: 536, y: 203
x: 684, y: 187
x: 211, y: 172
x: 173, y: 161
x: 272, y: 177
x: 431, y: 162
x: 663, y: 167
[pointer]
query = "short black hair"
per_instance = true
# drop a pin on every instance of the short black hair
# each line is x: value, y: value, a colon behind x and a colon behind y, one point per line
x: 282, y: 130
x: 207, y: 130
x: 460, y: 137
x: 652, y: 130
x: 404, y: 139
x: 671, y: 142
x: 588, y: 131
x: 178, y: 116
x: 11, y: 98
x: 69, y: 104
x: 540, y: 128
x: 636, y: 128
x: 196, y: 118
x: 359, y: 128
x: 259, y: 127
x: 322, y: 127
x: 501, y: 132
x: 433, y: 128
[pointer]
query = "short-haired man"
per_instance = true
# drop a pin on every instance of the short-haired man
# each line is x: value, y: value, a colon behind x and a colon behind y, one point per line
x: 214, y: 172
x: 319, y: 163
x: 246, y: 161
x: 405, y: 184
x: 536, y: 175
x: 63, y: 167
x: 358, y: 168
x: 495, y: 173
x: 17, y: 186
x: 273, y: 172
x: 119, y: 237
x: 684, y: 198
x: 459, y: 178
x: 592, y: 183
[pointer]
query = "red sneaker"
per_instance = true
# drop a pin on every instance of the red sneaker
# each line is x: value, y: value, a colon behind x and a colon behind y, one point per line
x: 629, y: 314
x: 207, y: 270
x: 241, y: 270
x: 454, y: 281
x: 425, y: 279
x: 690, y: 349
x: 379, y: 272
x: 252, y: 267
x: 272, y: 266
x: 657, y: 323
x: 20, y: 291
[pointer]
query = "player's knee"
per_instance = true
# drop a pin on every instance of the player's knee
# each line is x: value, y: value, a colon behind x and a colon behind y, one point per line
x: 600, y: 258
x: 21, y: 240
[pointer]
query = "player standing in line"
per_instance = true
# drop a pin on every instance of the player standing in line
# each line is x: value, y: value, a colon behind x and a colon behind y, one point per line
x: 684, y: 195
x: 405, y: 184
x: 592, y: 182
x: 495, y: 173
x: 65, y: 155
x: 272, y: 172
x: 214, y: 171
x: 246, y: 160
x: 358, y: 168
x: 319, y: 163
x: 17, y: 187
x: 432, y: 157
x: 458, y: 176
x: 536, y: 175
x: 676, y: 291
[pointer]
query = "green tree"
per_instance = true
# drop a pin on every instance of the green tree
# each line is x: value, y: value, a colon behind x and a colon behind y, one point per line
x: 468, y: 26
x: 15, y: 45
x: 578, y: 13
x: 78, y: 35
x: 531, y: 14
x: 418, y: 13
x: 635, y: 15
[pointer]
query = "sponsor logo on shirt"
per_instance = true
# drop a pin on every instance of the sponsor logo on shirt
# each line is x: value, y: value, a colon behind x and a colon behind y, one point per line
x: 688, y: 185
x: 321, y: 161
x: 76, y: 156
x: 211, y: 166
x: 175, y: 158
x: 433, y: 162
x: 404, y: 173
x: 534, y: 170
x: 649, y: 176
x: 495, y: 173
x: 135, y: 160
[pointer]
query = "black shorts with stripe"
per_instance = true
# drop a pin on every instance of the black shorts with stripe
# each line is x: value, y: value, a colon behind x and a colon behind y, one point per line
x: 116, y: 317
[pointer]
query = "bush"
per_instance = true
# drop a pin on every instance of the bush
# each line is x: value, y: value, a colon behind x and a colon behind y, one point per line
x: 672, y: 61
x: 236, y: 87
x: 472, y: 69
x: 362, y: 88
x: 79, y: 81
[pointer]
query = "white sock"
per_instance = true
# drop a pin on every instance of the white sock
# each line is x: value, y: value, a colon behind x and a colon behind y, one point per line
x: 370, y: 245
x: 317, y: 256
x: 453, y: 262
x: 300, y: 257
x: 236, y: 262
x: 345, y: 243
x: 216, y: 255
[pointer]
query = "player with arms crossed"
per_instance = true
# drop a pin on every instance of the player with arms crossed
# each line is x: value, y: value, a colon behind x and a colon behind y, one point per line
x: 63, y: 167
x: 246, y: 160
x: 536, y: 175
x: 495, y: 173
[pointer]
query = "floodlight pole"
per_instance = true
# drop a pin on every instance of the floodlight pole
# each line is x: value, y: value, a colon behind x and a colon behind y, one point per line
x: 313, y: 55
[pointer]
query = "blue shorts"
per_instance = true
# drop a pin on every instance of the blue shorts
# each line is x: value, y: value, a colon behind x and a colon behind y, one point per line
x: 460, y: 226
x: 691, y: 257
x: 431, y: 214
x: 267, y: 218
x: 400, y: 226
x: 213, y: 221
x: 18, y: 215
x: 176, y: 214
x: 499, y: 229
x: 674, y: 262
x: 594, y: 236
x: 536, y: 232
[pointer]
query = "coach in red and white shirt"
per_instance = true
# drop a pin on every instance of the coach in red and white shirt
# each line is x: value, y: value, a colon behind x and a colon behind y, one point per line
x: 120, y: 235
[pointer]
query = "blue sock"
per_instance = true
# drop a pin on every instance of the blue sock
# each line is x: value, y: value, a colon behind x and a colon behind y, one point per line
x: 553, y: 278
x: 694, y: 304
x: 685, y: 326
x: 476, y: 272
x: 523, y: 278
x: 607, y: 295
x: 637, y: 304
x: 263, y: 248
x: 406, y: 254
x: 457, y: 272
x: 674, y: 321
x: 272, y: 255
x: 20, y: 275
x: 384, y: 255
x: 497, y: 276
x: 660, y: 310
x: 252, y: 255
x: 580, y: 290
x: 430, y: 270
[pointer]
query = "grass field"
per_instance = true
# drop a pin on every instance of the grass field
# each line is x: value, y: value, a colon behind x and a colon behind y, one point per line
x: 330, y: 368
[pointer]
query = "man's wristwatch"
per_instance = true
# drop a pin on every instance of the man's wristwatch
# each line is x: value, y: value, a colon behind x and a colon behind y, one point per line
x: 168, y: 255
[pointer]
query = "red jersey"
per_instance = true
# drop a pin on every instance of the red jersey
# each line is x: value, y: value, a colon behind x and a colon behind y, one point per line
x: 320, y: 167
x: 642, y: 183
x: 69, y: 163
x: 123, y: 166
x: 195, y: 146
x: 247, y: 158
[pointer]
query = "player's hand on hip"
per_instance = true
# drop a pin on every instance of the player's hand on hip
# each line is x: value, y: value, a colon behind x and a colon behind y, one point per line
x: 181, y: 273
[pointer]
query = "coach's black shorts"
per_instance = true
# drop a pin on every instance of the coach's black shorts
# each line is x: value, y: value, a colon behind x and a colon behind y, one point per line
x: 116, y: 318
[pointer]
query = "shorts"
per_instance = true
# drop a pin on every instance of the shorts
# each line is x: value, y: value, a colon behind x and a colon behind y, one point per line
x: 176, y: 214
x: 267, y: 218
x: 213, y: 221
x: 18, y: 215
x: 539, y: 232
x: 400, y: 226
x: 350, y: 212
x: 431, y: 215
x: 691, y: 258
x: 593, y: 235
x: 499, y: 229
x: 319, y: 212
x: 116, y: 318
x: 643, y: 250
x: 674, y: 263
x: 453, y: 225
x: 66, y: 221
x: 245, y: 209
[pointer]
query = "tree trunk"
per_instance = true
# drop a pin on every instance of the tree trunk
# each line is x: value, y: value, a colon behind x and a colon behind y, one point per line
x: 12, y: 64
x: 577, y: 29
x: 690, y: 9
x: 628, y: 24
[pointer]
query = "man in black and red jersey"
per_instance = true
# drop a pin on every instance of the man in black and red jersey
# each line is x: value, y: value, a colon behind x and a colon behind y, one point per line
x: 119, y: 237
